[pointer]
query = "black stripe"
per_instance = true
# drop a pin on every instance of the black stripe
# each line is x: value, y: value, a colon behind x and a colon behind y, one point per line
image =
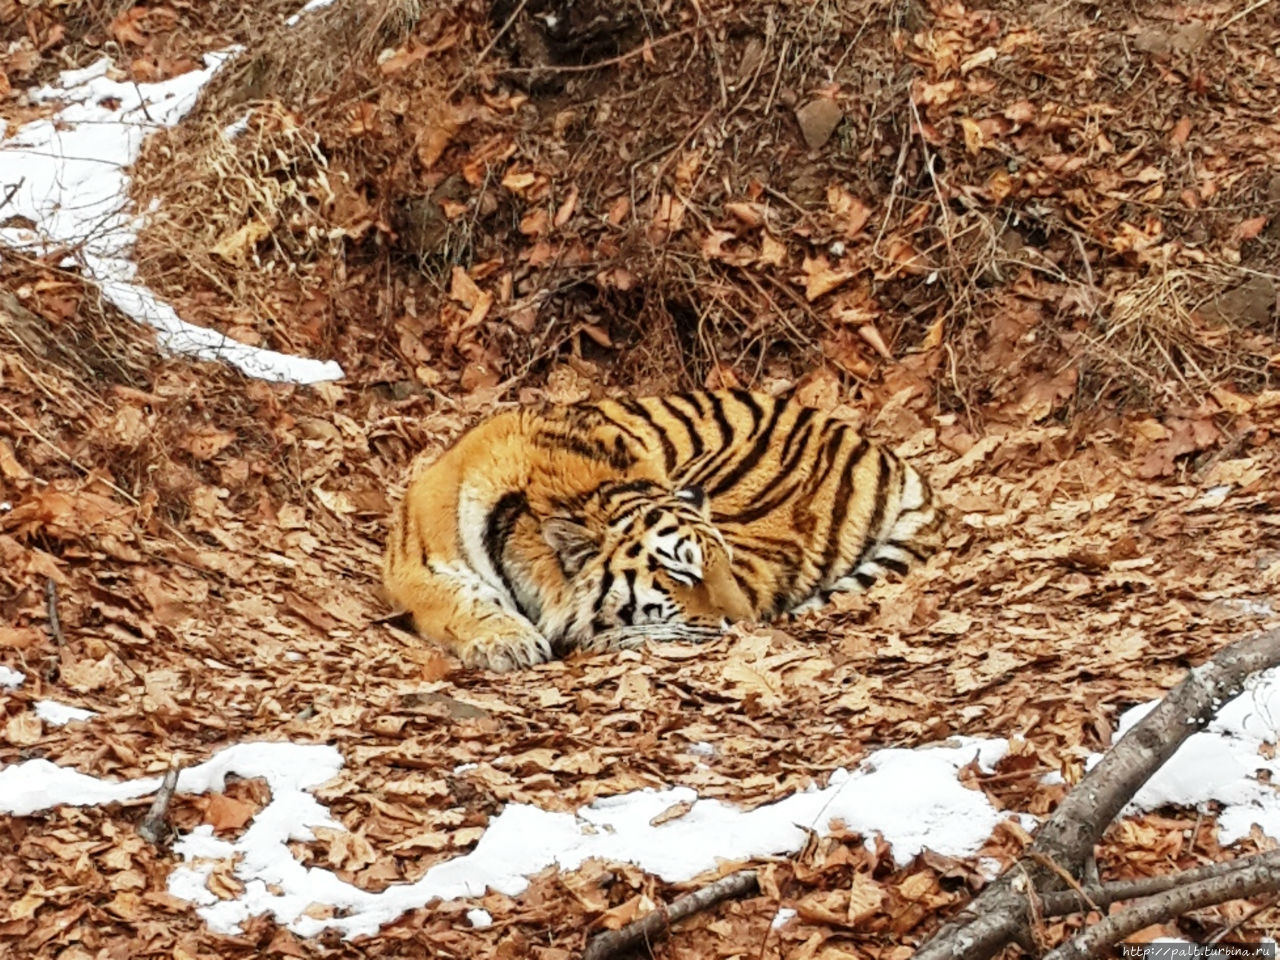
x: 840, y: 509
x: 497, y: 530
x: 800, y: 428
x: 695, y: 438
x: 744, y: 465
x: 771, y: 503
x: 619, y: 457
x: 722, y: 422
x: 910, y: 548
x: 890, y: 563
x: 638, y: 410
x: 694, y: 398
x: 877, y: 516
x: 627, y: 612
x: 606, y: 582
x: 736, y: 444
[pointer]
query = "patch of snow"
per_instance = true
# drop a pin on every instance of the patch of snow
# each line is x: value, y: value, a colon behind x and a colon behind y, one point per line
x: 989, y: 867
x: 463, y: 768
x: 911, y: 797
x: 312, y: 5
x: 782, y: 916
x: 11, y: 679
x: 293, y: 656
x: 59, y: 714
x: 479, y: 918
x: 1214, y: 496
x: 237, y: 127
x: 1222, y: 763
x: 701, y: 748
x: 67, y: 173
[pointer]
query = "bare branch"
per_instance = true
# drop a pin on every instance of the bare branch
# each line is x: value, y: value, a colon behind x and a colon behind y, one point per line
x: 999, y: 914
x: 1263, y: 876
x: 154, y: 827
x: 657, y: 923
x: 1103, y: 895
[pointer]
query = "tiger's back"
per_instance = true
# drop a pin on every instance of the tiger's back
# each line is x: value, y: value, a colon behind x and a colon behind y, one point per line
x: 808, y: 505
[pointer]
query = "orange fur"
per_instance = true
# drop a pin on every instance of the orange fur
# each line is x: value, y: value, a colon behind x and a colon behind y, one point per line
x: 553, y: 528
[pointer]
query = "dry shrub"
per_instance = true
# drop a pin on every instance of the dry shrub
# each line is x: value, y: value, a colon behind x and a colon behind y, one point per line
x: 322, y: 53
x: 662, y: 215
x: 254, y: 192
x: 1160, y: 342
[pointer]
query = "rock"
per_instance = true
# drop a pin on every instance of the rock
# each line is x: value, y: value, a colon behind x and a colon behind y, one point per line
x: 818, y: 119
x: 1190, y: 36
x: 1249, y: 304
x: 1153, y: 40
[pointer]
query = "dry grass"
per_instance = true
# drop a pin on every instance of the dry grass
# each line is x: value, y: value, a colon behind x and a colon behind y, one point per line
x: 240, y: 203
x: 317, y: 57
x: 698, y: 108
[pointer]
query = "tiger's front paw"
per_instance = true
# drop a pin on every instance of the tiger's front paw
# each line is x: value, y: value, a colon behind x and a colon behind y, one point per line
x: 506, y: 652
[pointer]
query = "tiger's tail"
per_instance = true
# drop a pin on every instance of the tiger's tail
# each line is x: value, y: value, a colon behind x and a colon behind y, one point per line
x: 908, y: 535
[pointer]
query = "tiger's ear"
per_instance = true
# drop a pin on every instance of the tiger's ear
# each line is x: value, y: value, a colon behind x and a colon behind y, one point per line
x: 696, y: 497
x: 573, y: 543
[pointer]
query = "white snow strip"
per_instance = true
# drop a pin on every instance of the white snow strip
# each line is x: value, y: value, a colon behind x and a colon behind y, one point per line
x: 910, y: 797
x: 11, y: 679
x: 1222, y: 763
x: 59, y: 714
x: 782, y: 916
x: 67, y: 174
x: 480, y: 918
x: 312, y: 5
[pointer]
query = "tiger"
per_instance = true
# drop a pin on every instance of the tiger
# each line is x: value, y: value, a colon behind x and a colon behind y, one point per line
x: 594, y: 526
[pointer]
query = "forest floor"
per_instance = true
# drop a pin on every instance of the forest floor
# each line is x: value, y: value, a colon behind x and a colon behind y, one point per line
x: 1033, y: 247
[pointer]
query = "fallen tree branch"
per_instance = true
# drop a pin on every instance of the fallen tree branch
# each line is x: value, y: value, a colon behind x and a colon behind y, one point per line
x: 655, y: 924
x: 1262, y: 876
x: 154, y: 827
x: 999, y: 914
x: 1103, y: 895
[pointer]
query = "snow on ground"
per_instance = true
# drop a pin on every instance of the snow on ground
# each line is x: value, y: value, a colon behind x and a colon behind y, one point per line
x: 68, y: 175
x: 11, y: 679
x: 308, y: 8
x: 1222, y: 763
x: 59, y: 714
x: 911, y: 798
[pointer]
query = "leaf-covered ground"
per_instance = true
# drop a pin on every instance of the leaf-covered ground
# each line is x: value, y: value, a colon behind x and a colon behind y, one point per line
x: 1035, y: 254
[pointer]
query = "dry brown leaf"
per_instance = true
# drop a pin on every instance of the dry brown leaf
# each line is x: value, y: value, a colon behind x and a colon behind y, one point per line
x: 821, y: 278
x: 226, y: 813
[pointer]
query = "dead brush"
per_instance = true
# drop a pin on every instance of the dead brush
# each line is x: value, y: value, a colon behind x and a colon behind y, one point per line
x: 1153, y: 342
x: 300, y: 64
x: 254, y: 194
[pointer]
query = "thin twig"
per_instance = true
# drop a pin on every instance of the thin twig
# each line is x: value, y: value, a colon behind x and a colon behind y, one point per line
x: 999, y: 915
x: 1261, y: 877
x: 11, y: 191
x: 657, y: 923
x: 1227, y: 931
x: 51, y: 610
x: 154, y: 827
x: 620, y: 58
x: 1245, y: 12
x: 1100, y: 897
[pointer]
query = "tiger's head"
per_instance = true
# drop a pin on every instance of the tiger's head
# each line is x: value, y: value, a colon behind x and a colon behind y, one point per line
x: 641, y: 562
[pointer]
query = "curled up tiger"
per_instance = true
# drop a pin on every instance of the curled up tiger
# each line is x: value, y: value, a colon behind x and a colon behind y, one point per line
x: 596, y: 526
